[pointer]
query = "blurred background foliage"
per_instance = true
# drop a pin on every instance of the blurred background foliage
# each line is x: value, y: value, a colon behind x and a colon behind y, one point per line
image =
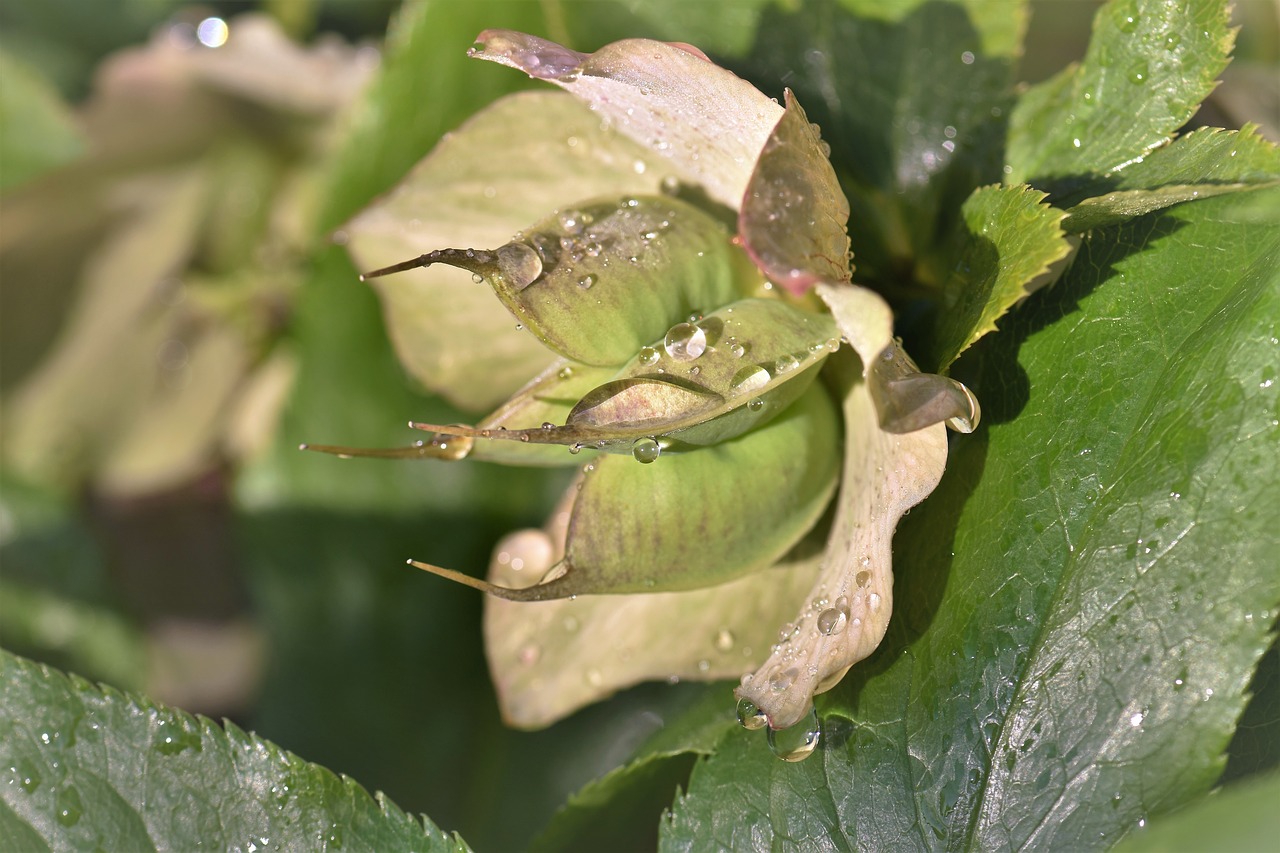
x: 177, y: 314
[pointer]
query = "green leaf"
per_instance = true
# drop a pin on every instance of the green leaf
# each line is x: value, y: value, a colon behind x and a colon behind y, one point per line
x: 425, y: 88
x: 1009, y: 240
x: 37, y: 133
x: 94, y: 768
x: 1201, y: 164
x: 1241, y: 817
x: 1148, y: 66
x: 913, y: 104
x: 1100, y: 602
x: 475, y: 189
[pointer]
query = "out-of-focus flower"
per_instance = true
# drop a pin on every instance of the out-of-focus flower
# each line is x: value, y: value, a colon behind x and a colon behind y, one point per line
x: 680, y: 278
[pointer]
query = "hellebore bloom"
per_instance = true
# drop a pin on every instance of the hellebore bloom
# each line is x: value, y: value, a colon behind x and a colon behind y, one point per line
x: 681, y: 279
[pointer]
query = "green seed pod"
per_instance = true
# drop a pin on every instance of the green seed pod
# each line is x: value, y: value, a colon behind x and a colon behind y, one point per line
x: 747, y: 500
x: 597, y: 282
x: 704, y: 382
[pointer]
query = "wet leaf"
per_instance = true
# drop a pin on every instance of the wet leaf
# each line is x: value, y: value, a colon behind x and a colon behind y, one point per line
x: 794, y: 215
x: 706, y: 126
x: 1240, y: 817
x: 1009, y: 243
x: 1101, y: 602
x: 475, y: 189
x: 638, y: 527
x: 92, y: 767
x: 1201, y: 164
x: 1148, y: 66
x: 550, y: 658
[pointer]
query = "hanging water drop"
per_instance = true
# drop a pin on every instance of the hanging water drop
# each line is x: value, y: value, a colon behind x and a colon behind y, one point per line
x: 685, y: 342
x: 750, y: 717
x: 646, y: 450
x: 799, y: 741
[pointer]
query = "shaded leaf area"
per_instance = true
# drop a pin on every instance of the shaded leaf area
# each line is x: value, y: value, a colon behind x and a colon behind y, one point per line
x: 1243, y: 817
x: 589, y: 819
x: 725, y: 29
x: 37, y: 133
x: 1201, y: 164
x: 913, y: 109
x: 1102, y: 602
x: 1009, y: 239
x: 422, y: 92
x: 1148, y: 66
x: 90, y: 767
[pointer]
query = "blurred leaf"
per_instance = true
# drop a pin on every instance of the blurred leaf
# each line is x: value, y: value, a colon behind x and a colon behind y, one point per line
x: 1148, y: 67
x: 1010, y: 238
x: 37, y: 132
x: 92, y: 767
x: 1241, y: 817
x: 1102, y: 600
x: 426, y: 88
x: 912, y: 99
x: 1201, y: 164
x: 724, y: 27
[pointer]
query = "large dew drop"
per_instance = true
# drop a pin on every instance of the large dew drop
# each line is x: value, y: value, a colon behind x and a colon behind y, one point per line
x: 751, y: 717
x: 646, y: 450
x: 799, y: 741
x: 749, y: 380
x: 685, y: 342
x: 520, y: 265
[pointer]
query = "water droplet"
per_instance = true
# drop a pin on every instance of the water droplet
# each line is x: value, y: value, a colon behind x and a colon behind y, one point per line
x: 1171, y: 41
x: 28, y: 776
x: 1075, y: 143
x: 785, y: 363
x: 749, y: 380
x: 724, y: 640
x: 862, y: 578
x: 565, y: 372
x: 1136, y: 719
x: 594, y: 678
x: 68, y: 807
x: 1126, y: 18
x: 799, y: 741
x: 587, y: 281
x: 212, y: 32
x: 736, y: 349
x: 873, y: 602
x: 783, y: 680
x: 649, y: 356
x: 749, y: 716
x: 520, y: 265
x: 646, y: 450
x: 1138, y: 73
x: 548, y: 425
x: 832, y: 621
x: 755, y: 405
x: 575, y: 449
x: 685, y: 342
x: 477, y: 278
x: 967, y: 57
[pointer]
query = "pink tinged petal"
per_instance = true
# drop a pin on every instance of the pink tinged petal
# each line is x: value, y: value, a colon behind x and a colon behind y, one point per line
x: 794, y: 214
x: 705, y: 122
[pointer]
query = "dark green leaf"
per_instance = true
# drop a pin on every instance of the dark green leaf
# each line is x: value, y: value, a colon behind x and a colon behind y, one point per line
x: 92, y: 768
x: 1202, y: 164
x: 911, y: 98
x: 1148, y: 66
x: 1100, y: 600
x: 1009, y: 239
